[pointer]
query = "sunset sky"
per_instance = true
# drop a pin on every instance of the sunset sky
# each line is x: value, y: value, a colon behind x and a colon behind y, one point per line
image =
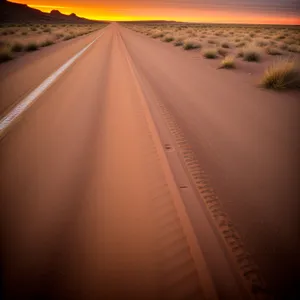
x: 223, y: 11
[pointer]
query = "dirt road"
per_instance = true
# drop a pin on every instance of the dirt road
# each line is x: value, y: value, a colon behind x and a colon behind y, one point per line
x: 98, y: 198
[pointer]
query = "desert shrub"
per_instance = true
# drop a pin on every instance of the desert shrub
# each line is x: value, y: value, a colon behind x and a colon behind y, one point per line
x: 178, y: 42
x: 293, y: 48
x: 157, y: 34
x: 6, y: 54
x: 31, y: 47
x: 17, y: 47
x: 59, y: 35
x: 24, y: 33
x: 289, y: 41
x: 273, y: 51
x: 251, y: 53
x: 46, y: 43
x: 210, y: 53
x: 211, y: 41
x: 225, y: 45
x: 168, y: 38
x: 282, y: 74
x: 261, y: 43
x: 191, y: 44
x: 68, y: 37
x: 240, y: 44
x: 222, y: 51
x: 228, y: 62
x: 283, y: 46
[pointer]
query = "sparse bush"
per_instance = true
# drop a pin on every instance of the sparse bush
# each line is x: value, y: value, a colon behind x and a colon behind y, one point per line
x: 68, y: 37
x: 289, y: 41
x: 178, y: 42
x: 17, y: 47
x: 282, y: 74
x: 273, y: 51
x: 157, y: 34
x: 240, y: 44
x: 228, y: 63
x: 168, y: 38
x: 191, y: 44
x: 5, y: 54
x: 222, y: 51
x: 251, y: 53
x: 59, y: 35
x: 293, y: 48
x: 24, y: 33
x: 210, y: 53
x: 261, y: 43
x: 283, y: 47
x: 211, y: 41
x: 31, y: 47
x: 225, y: 45
x: 46, y: 43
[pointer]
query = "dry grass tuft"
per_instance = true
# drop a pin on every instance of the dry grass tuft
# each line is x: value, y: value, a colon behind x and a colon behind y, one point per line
x: 17, y: 47
x: 251, y: 53
x: 210, y: 53
x: 293, y: 48
x: 31, y: 47
x: 228, y: 62
x: 222, y: 51
x: 261, y: 43
x: 46, y: 43
x: 157, y: 34
x: 6, y: 54
x: 273, y: 51
x: 283, y: 74
x: 225, y: 45
x: 240, y: 44
x: 191, y: 44
x: 168, y: 38
x: 178, y: 42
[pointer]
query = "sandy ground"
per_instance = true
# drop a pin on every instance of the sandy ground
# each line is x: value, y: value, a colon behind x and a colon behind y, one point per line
x: 80, y: 173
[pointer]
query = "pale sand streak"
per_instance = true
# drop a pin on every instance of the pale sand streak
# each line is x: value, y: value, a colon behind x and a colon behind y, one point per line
x: 24, y: 104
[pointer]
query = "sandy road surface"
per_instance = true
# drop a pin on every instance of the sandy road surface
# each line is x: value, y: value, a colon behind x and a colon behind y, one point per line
x: 89, y: 211
x: 247, y: 141
x: 90, y: 207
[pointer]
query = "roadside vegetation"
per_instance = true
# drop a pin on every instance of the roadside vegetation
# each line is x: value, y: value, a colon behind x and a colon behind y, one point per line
x: 270, y: 51
x: 17, y: 39
x: 228, y: 62
x: 282, y: 74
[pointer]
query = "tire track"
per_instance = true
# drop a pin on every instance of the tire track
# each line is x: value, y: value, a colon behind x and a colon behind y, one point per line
x: 247, y: 268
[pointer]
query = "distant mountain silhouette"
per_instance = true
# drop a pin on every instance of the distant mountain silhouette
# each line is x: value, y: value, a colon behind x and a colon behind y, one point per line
x: 11, y: 12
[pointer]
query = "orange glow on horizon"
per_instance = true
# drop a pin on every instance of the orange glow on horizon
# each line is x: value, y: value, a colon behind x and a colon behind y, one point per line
x: 142, y: 14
